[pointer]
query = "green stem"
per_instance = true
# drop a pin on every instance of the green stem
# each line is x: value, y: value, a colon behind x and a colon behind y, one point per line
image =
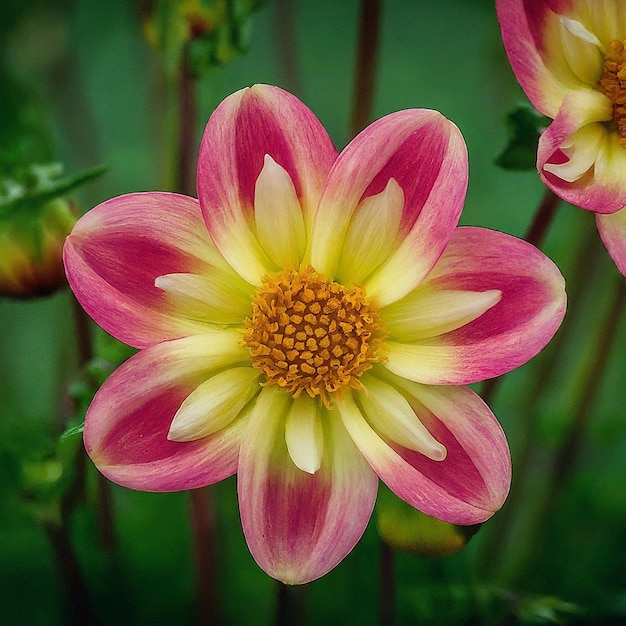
x: 495, y: 544
x: 569, y: 451
x: 366, y: 65
x: 566, y: 459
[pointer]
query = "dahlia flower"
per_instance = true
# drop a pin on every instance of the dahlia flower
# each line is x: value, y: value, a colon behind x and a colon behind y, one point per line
x: 569, y: 57
x: 310, y: 323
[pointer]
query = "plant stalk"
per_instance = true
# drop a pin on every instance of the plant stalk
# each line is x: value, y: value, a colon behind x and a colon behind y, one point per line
x: 387, y: 585
x: 366, y: 65
x: 535, y: 234
x: 203, y: 531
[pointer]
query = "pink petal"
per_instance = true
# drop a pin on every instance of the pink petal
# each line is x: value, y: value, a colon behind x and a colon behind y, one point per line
x: 117, y: 250
x: 602, y: 188
x: 127, y: 423
x: 612, y: 229
x: 530, y: 33
x: 470, y: 484
x: 509, y: 333
x: 244, y: 128
x: 426, y: 156
x: 299, y: 525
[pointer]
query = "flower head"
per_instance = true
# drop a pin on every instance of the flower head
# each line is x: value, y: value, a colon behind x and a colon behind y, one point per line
x: 569, y: 57
x: 31, y: 244
x: 310, y: 323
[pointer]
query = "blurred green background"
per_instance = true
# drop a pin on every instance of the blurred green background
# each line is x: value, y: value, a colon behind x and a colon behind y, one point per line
x: 557, y: 556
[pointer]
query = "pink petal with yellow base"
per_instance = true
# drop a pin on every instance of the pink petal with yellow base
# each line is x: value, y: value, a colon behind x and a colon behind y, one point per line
x: 535, y: 57
x: 300, y: 525
x: 424, y: 154
x: 245, y: 127
x: 595, y: 184
x: 473, y: 479
x: 518, y: 325
x: 116, y: 252
x: 127, y: 424
x: 612, y: 229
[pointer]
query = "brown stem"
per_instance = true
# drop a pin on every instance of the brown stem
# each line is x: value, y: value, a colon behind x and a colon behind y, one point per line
x: 546, y: 212
x: 105, y: 514
x: 200, y: 503
x: 77, y: 597
x: 83, y: 334
x: 105, y: 507
x: 536, y: 233
x: 387, y: 585
x: 187, y: 117
x: 202, y: 529
x: 285, y: 36
x: 290, y: 605
x: 366, y: 65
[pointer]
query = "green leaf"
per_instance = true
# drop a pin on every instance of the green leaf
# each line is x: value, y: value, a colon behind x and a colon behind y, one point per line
x: 72, y: 431
x: 38, y: 184
x: 525, y: 126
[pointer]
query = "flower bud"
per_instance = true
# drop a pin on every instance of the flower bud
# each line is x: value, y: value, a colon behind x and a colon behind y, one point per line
x: 406, y: 529
x: 31, y: 247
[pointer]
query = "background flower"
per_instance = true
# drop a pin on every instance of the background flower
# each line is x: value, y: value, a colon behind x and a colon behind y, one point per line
x: 569, y: 58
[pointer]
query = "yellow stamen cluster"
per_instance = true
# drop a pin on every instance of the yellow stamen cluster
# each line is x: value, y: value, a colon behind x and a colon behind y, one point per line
x: 613, y: 85
x: 310, y: 334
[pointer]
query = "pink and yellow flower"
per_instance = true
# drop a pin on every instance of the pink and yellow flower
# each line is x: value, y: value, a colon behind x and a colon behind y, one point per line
x: 310, y: 323
x: 569, y: 58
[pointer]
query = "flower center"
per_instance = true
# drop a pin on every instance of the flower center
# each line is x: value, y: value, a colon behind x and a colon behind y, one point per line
x: 613, y: 85
x: 309, y: 334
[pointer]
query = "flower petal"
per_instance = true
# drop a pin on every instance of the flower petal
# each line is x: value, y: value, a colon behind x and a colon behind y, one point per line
x: 246, y: 126
x: 127, y: 424
x: 428, y: 312
x: 117, y: 250
x: 426, y: 156
x: 595, y: 178
x: 279, y: 221
x: 304, y: 434
x: 216, y: 297
x: 470, y: 484
x: 581, y: 150
x: 371, y: 235
x: 214, y: 404
x: 509, y: 333
x: 612, y: 229
x: 583, y: 50
x: 531, y: 33
x: 299, y: 525
x: 390, y: 414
